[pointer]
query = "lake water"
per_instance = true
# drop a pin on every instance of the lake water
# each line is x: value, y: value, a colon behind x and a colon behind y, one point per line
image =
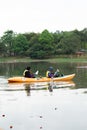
x: 63, y: 107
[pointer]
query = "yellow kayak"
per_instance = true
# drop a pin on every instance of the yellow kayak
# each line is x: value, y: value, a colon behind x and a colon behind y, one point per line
x: 42, y: 79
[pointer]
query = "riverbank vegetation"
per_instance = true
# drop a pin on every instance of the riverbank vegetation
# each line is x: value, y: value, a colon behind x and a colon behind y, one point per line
x: 69, y: 59
x: 43, y: 45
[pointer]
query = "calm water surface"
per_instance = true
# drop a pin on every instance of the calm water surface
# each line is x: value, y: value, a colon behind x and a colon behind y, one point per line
x: 35, y: 107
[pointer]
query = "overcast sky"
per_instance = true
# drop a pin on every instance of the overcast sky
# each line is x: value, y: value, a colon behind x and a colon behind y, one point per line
x: 36, y: 15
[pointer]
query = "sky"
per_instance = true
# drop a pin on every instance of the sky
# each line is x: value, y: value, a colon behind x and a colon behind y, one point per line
x: 24, y: 16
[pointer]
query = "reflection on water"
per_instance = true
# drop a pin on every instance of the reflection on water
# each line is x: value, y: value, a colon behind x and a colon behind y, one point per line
x: 36, y: 86
x: 47, y: 106
x: 27, y: 89
x: 53, y: 105
x: 5, y: 86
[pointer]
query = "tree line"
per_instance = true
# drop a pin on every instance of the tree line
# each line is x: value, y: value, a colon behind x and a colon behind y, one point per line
x: 43, y: 45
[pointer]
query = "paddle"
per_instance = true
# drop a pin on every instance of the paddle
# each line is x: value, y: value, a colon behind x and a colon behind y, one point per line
x: 36, y: 73
x: 52, y: 84
x: 58, y: 73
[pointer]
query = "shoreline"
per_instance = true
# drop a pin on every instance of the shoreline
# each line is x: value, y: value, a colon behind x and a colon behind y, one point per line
x: 55, y: 59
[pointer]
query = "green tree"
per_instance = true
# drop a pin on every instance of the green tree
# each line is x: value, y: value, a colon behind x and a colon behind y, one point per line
x: 29, y: 36
x: 69, y: 44
x: 46, y: 40
x: 41, y: 45
x: 57, y: 38
x: 21, y: 45
x: 2, y: 48
x: 34, y: 47
x: 83, y: 35
x: 8, y: 40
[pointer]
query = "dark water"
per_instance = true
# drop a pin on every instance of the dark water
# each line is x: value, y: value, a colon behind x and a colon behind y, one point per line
x: 63, y: 107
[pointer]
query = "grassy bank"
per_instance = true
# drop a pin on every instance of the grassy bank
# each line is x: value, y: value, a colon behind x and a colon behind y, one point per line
x: 57, y: 59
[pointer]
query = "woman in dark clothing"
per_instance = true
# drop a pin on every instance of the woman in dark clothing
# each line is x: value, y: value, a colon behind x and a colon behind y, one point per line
x: 27, y: 73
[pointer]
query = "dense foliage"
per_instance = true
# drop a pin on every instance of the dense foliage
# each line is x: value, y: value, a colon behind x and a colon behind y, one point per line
x: 43, y: 45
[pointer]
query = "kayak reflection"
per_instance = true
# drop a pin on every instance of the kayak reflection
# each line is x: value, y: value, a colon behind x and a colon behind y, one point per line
x: 39, y: 86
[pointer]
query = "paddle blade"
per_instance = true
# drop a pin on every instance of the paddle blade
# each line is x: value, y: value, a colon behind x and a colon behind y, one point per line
x: 37, y: 72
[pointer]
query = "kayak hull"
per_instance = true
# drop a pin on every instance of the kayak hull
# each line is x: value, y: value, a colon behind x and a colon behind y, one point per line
x: 42, y: 79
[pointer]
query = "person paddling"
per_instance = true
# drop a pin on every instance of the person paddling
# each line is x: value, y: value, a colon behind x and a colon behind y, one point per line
x: 27, y: 73
x: 50, y: 72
